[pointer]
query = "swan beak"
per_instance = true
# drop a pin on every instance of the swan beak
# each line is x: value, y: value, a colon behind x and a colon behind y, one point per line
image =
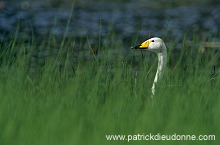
x: 144, y: 45
x: 136, y: 47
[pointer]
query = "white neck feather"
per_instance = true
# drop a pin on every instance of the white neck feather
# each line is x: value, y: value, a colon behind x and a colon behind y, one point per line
x: 162, y: 57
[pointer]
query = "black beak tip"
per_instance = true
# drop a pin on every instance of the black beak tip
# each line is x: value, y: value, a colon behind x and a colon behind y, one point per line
x: 135, y: 47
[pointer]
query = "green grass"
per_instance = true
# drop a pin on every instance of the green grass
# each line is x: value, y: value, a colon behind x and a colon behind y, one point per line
x: 61, y: 105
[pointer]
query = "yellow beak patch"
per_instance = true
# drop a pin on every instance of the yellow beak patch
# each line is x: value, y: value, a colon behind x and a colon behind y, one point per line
x: 145, y: 44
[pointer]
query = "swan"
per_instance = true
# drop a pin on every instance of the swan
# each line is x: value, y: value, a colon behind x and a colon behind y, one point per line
x: 157, y: 46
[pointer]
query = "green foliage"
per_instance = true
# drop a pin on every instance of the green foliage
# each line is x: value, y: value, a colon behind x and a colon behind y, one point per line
x: 81, y: 103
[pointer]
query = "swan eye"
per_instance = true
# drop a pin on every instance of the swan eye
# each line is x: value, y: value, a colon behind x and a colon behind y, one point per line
x: 152, y: 41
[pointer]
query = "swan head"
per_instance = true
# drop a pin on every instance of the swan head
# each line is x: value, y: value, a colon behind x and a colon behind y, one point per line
x: 154, y: 44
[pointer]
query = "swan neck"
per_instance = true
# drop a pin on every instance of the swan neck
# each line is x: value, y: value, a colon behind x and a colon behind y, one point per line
x: 162, y: 56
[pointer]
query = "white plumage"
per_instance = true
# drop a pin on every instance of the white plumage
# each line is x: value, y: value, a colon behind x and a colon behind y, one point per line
x: 156, y: 45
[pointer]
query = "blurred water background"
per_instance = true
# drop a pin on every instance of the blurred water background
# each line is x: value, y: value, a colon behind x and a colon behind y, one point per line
x: 92, y: 24
x: 127, y: 18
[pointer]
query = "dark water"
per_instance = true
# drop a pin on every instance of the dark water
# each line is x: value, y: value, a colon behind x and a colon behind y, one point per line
x: 97, y: 19
x: 127, y: 20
